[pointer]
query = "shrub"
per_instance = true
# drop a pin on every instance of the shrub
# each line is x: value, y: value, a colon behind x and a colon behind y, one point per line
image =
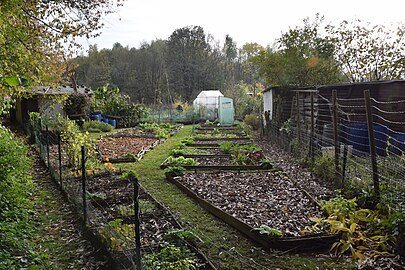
x: 324, y: 167
x: 73, y: 139
x: 364, y: 232
x: 252, y: 121
x: 97, y: 126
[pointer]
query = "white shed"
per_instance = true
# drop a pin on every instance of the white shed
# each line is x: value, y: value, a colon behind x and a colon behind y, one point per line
x: 207, y: 103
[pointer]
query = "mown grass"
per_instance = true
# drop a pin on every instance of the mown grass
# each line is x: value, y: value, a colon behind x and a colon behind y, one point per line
x: 222, y: 244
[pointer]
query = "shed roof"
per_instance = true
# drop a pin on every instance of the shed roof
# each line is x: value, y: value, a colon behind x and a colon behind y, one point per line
x: 59, y: 90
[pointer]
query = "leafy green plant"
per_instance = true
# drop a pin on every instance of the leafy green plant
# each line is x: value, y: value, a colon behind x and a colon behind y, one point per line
x: 181, y: 161
x: 177, y: 152
x: 180, y: 236
x: 362, y: 230
x: 117, y: 235
x: 240, y: 159
x: 170, y: 257
x: 266, y: 164
x: 129, y: 174
x: 125, y: 210
x: 215, y: 131
x: 146, y: 206
x: 264, y: 229
x: 93, y: 126
x: 161, y: 131
x: 174, y: 171
x: 187, y: 141
x: 226, y: 147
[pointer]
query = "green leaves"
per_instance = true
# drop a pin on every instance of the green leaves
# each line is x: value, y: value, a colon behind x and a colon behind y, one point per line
x: 13, y: 81
x: 264, y: 229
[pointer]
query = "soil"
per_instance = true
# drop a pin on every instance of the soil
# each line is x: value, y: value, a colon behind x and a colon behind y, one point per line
x: 257, y: 198
x: 299, y: 174
x: 116, y: 147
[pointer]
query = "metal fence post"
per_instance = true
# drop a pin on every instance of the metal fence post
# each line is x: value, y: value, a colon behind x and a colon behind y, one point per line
x: 373, y: 152
x: 311, y: 143
x: 47, y: 145
x: 84, y: 186
x: 135, y: 181
x: 60, y: 161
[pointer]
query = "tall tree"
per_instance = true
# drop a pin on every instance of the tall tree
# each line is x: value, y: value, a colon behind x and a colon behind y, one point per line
x: 34, y: 34
x: 187, y: 55
x: 302, y: 57
x: 369, y: 52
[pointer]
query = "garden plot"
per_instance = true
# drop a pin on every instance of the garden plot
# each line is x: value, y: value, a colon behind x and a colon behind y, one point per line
x: 111, y: 195
x: 111, y: 215
x: 217, y: 141
x: 116, y: 148
x: 262, y: 198
x: 128, y: 145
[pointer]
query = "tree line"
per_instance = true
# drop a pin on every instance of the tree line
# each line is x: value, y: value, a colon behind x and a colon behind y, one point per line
x: 191, y: 60
x: 164, y: 70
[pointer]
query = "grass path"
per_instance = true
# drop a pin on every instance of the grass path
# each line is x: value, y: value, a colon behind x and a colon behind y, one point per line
x: 59, y: 239
x: 222, y: 244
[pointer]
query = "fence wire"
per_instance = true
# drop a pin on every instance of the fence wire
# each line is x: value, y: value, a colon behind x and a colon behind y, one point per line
x: 353, y: 158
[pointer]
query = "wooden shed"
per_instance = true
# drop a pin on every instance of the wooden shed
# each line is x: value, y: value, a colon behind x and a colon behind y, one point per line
x: 388, y: 94
x: 282, y: 102
x: 44, y: 99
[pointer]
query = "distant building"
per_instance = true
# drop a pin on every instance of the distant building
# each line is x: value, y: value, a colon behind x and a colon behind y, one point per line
x: 46, y: 100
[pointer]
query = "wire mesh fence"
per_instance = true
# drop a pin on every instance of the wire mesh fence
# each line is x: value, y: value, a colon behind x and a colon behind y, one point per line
x: 363, y: 140
x: 169, y: 114
x: 122, y: 217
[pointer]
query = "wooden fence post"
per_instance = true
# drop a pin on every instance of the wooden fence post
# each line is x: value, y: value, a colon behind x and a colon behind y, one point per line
x: 298, y: 117
x: 373, y: 153
x: 335, y: 137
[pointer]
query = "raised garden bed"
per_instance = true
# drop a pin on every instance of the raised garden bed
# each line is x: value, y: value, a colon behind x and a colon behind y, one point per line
x: 111, y: 218
x: 211, y: 127
x: 224, y: 139
x: 125, y: 149
x: 249, y: 200
x: 216, y: 143
x: 219, y: 163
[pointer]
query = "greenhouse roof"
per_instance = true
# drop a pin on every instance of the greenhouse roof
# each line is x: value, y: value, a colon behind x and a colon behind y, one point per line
x: 210, y: 93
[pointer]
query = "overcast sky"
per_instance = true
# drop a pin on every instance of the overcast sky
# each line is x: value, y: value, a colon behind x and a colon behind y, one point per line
x: 258, y: 21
